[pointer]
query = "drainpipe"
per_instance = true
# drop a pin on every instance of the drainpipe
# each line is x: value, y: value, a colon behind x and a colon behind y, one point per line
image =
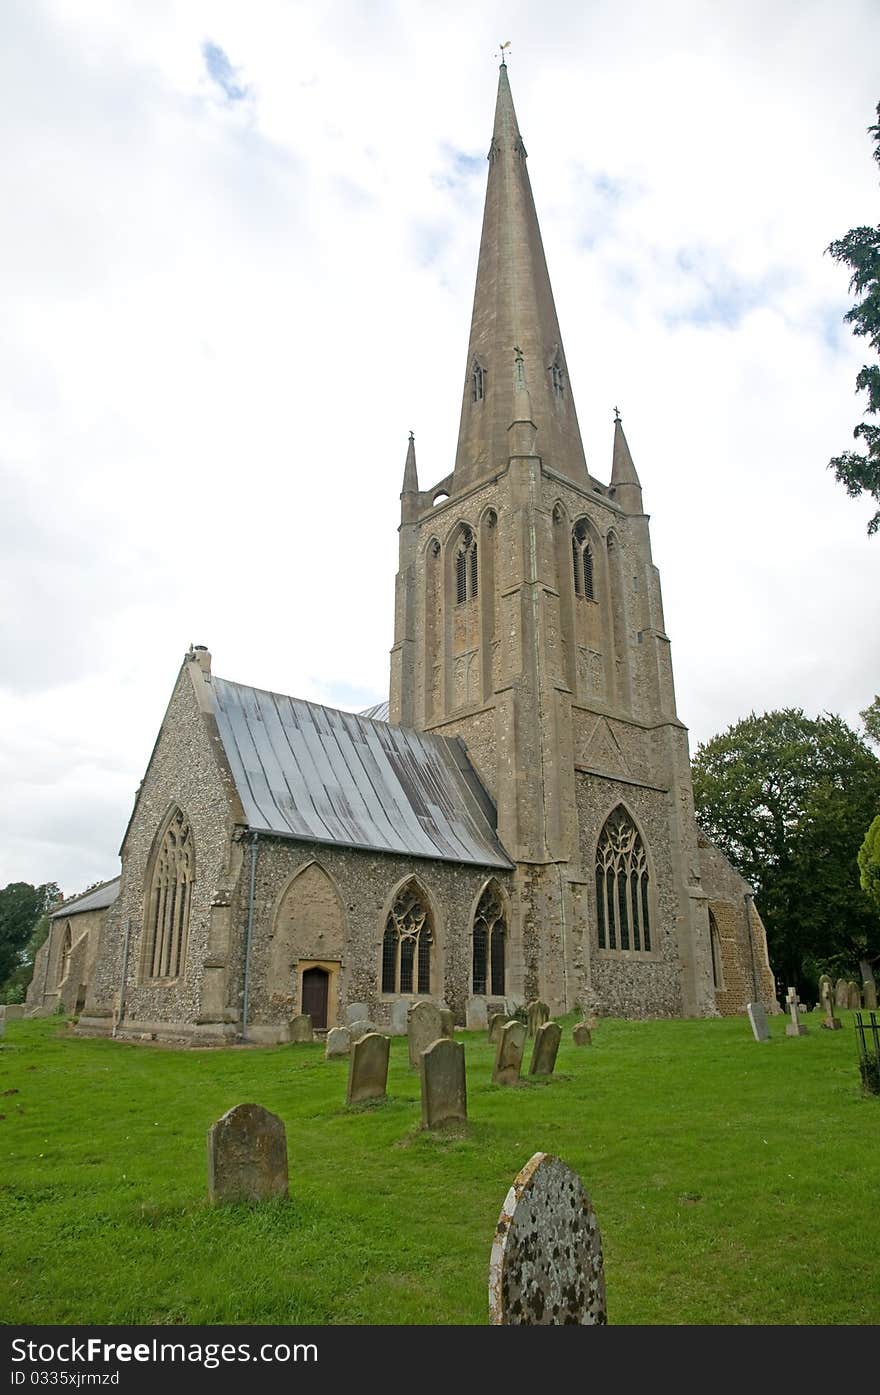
x: 247, y: 945
x: 124, y: 975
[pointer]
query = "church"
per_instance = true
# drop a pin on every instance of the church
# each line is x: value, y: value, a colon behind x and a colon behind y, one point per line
x: 517, y: 823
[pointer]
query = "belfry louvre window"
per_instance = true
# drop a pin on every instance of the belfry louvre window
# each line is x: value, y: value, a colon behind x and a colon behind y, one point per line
x: 466, y: 570
x: 406, y: 944
x: 169, y: 900
x: 582, y: 561
x: 478, y: 382
x: 622, y: 900
x: 490, y: 937
x: 557, y: 377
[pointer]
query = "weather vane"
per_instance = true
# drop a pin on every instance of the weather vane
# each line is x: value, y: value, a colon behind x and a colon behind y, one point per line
x: 501, y: 54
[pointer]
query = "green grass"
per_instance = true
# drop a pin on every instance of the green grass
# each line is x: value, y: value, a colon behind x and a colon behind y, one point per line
x: 734, y: 1182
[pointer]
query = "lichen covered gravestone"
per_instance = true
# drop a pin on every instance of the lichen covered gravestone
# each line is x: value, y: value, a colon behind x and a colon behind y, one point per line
x: 545, y: 1048
x: 841, y: 993
x: 301, y: 1028
x: 368, y: 1068
x: 338, y: 1043
x: 399, y: 1013
x: 424, y: 1026
x: 869, y: 994
x: 359, y: 1029
x: 509, y: 1053
x: 855, y: 996
x: 356, y: 1012
x: 475, y: 1016
x: 444, y: 1089
x: 546, y: 1266
x: 758, y: 1020
x: 538, y: 1013
x: 581, y: 1034
x: 247, y: 1156
x: 496, y: 1022
x: 447, y: 1022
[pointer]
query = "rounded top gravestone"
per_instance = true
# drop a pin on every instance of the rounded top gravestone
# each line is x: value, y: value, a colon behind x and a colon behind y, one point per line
x: 547, y: 1266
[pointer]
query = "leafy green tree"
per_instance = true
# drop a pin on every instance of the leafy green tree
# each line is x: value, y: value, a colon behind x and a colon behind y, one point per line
x: 787, y: 798
x: 22, y: 906
x: 869, y: 865
x: 871, y: 719
x: 860, y: 251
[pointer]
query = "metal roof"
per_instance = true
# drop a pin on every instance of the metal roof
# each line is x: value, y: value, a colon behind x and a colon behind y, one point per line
x: 378, y: 712
x: 96, y: 900
x: 312, y: 772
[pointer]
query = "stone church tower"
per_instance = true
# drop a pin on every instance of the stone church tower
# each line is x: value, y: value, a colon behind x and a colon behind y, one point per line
x: 529, y: 622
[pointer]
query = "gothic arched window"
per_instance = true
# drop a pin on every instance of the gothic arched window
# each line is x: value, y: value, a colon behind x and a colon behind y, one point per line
x: 582, y: 560
x: 478, y: 381
x: 168, y: 903
x: 622, y: 899
x: 466, y: 572
x: 407, y: 942
x: 490, y: 941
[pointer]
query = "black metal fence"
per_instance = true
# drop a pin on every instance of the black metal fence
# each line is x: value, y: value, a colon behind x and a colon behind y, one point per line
x: 868, y: 1038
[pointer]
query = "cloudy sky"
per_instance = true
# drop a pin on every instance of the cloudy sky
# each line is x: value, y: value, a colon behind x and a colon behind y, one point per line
x: 239, y: 246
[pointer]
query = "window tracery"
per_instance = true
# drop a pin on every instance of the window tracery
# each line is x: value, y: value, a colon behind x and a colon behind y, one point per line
x: 407, y: 943
x: 622, y: 898
x: 490, y: 941
x: 168, y: 904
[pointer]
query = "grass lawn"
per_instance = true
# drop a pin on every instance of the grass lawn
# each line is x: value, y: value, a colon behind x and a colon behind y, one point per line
x: 734, y: 1182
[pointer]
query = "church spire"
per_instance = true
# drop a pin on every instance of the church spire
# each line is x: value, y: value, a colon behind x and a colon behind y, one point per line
x: 514, y: 314
x: 624, y: 479
x: 410, y: 474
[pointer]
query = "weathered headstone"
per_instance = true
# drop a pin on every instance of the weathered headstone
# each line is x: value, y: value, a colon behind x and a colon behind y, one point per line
x: 301, y: 1028
x: 423, y: 1028
x: 399, y: 1013
x: 538, y: 1013
x: 444, y: 1089
x: 794, y: 1028
x: 841, y: 993
x: 356, y: 1030
x: 869, y: 993
x: 338, y: 1043
x: 447, y: 1022
x: 582, y: 1035
x: 356, y: 1012
x: 496, y: 1022
x: 475, y: 1015
x: 547, y: 1266
x: 509, y: 1053
x: 247, y: 1156
x: 826, y: 993
x: 496, y: 1005
x: 829, y: 1021
x: 855, y: 996
x: 545, y: 1048
x: 368, y: 1068
x: 758, y: 1020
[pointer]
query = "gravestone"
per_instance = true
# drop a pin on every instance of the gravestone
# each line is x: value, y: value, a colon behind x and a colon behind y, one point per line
x: 399, y: 1011
x: 826, y: 993
x: 359, y: 1029
x: 301, y: 1028
x: 855, y: 996
x: 841, y: 993
x: 423, y: 1028
x: 794, y: 1028
x: 830, y: 1022
x: 496, y: 1005
x: 509, y: 1053
x: 758, y: 1020
x: 582, y: 1035
x: 475, y: 1015
x: 338, y: 1043
x: 869, y: 993
x: 247, y: 1156
x: 447, y: 1022
x: 537, y: 1013
x: 368, y: 1068
x: 496, y: 1022
x: 545, y: 1048
x: 546, y: 1266
x: 444, y: 1089
x: 356, y: 1012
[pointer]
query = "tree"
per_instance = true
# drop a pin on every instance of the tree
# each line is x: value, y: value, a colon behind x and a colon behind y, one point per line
x: 787, y: 798
x: 21, y: 908
x: 860, y: 251
x: 871, y: 719
x: 869, y: 865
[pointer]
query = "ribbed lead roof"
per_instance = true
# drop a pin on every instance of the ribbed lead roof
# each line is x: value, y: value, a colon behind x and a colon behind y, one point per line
x: 312, y: 772
x: 96, y: 900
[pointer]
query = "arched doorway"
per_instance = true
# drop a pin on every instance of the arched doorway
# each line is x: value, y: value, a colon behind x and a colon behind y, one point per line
x: 315, y: 993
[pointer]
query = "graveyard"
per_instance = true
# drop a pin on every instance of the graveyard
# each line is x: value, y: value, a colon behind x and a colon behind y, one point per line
x: 729, y: 1177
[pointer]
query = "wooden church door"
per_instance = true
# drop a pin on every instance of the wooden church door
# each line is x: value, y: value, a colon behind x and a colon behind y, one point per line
x: 315, y: 985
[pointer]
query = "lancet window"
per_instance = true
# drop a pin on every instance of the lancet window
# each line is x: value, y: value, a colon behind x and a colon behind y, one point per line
x: 168, y: 905
x: 490, y: 943
x: 466, y: 571
x: 622, y: 894
x: 407, y: 943
x: 582, y: 561
x: 557, y: 378
x: 478, y: 382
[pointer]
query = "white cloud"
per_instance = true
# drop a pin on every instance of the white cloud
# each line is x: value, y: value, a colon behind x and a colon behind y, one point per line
x: 222, y: 316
